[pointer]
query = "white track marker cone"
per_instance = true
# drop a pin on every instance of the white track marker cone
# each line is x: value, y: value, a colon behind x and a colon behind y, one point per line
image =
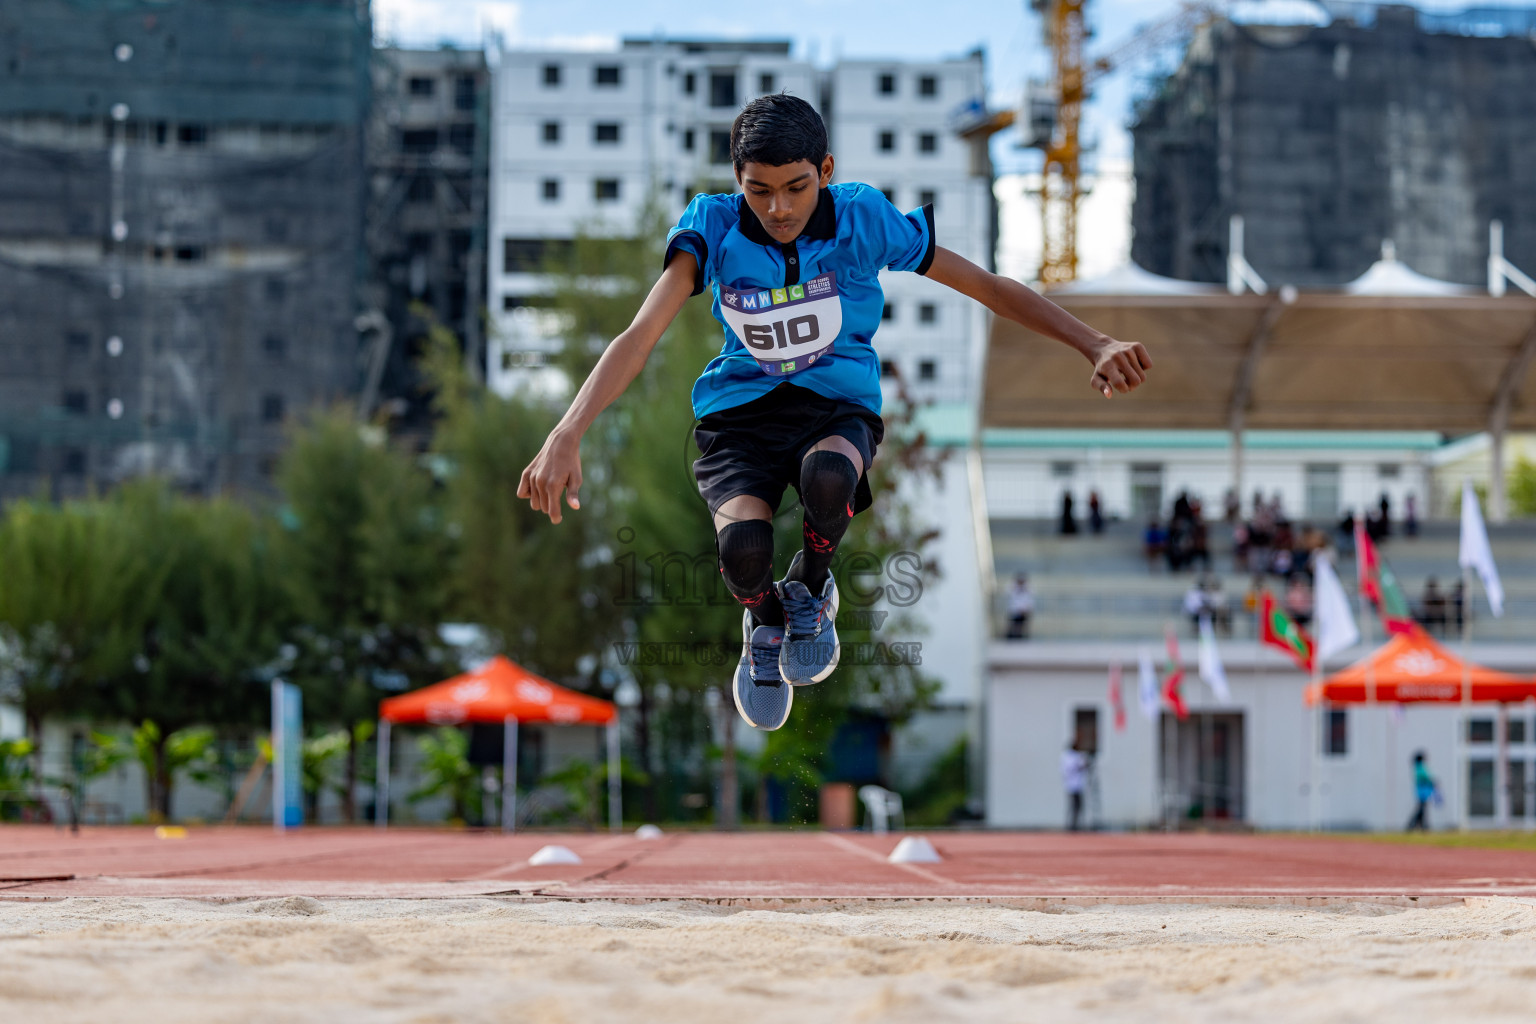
x: 647, y: 832
x: 554, y: 855
x: 914, y: 850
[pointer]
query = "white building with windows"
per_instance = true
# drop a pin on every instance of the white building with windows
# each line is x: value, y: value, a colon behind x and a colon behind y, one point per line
x: 582, y: 140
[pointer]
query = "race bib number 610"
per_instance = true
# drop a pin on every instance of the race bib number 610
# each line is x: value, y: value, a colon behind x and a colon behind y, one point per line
x: 785, y: 329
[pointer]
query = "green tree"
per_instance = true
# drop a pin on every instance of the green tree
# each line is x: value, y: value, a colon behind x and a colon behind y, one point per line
x: 447, y: 771
x: 534, y: 588
x: 210, y: 611
x: 364, y: 554
x: 1522, y: 488
x: 72, y: 606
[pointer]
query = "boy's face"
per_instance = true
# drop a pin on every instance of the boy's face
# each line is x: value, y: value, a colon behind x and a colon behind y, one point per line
x: 784, y: 197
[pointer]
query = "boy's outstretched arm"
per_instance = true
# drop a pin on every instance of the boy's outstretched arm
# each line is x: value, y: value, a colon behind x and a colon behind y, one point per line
x: 1117, y: 365
x: 557, y: 467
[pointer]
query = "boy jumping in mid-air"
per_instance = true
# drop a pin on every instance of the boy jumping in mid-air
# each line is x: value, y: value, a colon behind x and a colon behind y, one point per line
x: 793, y: 398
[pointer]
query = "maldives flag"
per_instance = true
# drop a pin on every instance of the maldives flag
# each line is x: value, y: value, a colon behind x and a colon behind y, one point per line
x: 1279, y: 630
x: 1380, y: 586
x: 1171, y: 684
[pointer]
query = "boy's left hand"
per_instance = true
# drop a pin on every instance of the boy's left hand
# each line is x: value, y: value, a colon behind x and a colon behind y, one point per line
x: 1119, y: 366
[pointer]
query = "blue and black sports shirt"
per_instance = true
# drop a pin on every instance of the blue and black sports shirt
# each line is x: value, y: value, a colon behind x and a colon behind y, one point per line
x: 804, y: 311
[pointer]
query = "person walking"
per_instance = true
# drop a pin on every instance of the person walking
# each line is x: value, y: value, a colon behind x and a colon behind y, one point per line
x: 1021, y: 604
x: 1424, y: 790
x: 1074, y: 779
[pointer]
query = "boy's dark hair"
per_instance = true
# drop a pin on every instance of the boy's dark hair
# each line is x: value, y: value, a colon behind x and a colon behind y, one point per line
x: 778, y: 130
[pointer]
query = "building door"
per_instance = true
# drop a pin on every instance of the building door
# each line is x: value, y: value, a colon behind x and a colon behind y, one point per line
x: 1322, y: 497
x: 1146, y: 490
x: 1202, y: 768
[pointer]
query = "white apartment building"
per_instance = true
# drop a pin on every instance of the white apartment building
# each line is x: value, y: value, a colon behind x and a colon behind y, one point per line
x: 892, y: 126
x: 581, y: 140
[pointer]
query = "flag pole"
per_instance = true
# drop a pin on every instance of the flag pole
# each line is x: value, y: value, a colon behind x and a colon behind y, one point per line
x: 1463, y: 801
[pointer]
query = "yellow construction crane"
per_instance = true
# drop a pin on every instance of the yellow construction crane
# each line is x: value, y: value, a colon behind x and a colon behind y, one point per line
x: 1053, y: 120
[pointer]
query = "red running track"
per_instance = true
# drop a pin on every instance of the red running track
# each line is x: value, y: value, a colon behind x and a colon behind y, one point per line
x: 39, y: 862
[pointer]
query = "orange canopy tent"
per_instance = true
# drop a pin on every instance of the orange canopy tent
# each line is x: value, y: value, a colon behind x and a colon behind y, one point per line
x: 500, y: 691
x: 1412, y: 668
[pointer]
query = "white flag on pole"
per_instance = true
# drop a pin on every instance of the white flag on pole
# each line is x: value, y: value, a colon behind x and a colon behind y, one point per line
x: 1211, y: 671
x: 1336, y: 629
x: 1147, y: 691
x: 1475, y: 551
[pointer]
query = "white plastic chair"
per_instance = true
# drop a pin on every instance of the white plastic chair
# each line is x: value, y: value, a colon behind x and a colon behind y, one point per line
x: 883, y: 807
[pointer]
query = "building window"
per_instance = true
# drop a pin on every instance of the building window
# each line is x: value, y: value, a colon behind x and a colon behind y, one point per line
x: 719, y: 147
x: 765, y: 83
x: 889, y: 191
x: 885, y: 84
x: 887, y: 368
x: 928, y: 86
x: 77, y: 343
x: 1480, y: 788
x: 275, y: 346
x: 607, y: 75
x: 418, y: 141
x: 888, y: 312
x: 927, y: 313
x: 887, y: 142
x: 272, y: 408
x: 1479, y: 730
x: 688, y: 140
x: 1335, y: 732
x: 690, y: 83
x: 551, y: 74
x: 927, y: 369
x: 1322, y: 490
x: 927, y: 142
x: 466, y: 92
x: 277, y: 289
x: 551, y: 132
x: 605, y: 133
x: 551, y: 190
x: 192, y: 134
x: 190, y: 254
x: 722, y: 89
x: 510, y: 302
x: 420, y: 190
x: 74, y: 462
x: 605, y: 190
x: 421, y: 87
x: 1389, y: 470
x: 76, y: 403
x: 1063, y: 470
x: 928, y: 197
x: 461, y: 138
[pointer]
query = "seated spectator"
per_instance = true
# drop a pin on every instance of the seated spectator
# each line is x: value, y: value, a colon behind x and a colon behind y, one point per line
x: 1411, y: 515
x: 1154, y: 542
x: 1220, y: 607
x: 1068, y: 519
x: 1298, y: 599
x: 1195, y: 604
x: 1432, y: 606
x: 1240, y: 537
x: 1232, y: 509
x: 1095, y: 514
x: 1281, y: 561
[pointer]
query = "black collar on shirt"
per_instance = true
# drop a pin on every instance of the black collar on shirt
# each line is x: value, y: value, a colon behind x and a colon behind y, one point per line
x: 822, y: 225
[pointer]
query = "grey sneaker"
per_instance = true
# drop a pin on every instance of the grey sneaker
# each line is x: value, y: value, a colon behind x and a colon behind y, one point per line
x: 762, y: 697
x: 810, y: 649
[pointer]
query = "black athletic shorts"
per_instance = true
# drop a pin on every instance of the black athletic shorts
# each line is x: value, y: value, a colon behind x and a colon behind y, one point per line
x: 757, y: 448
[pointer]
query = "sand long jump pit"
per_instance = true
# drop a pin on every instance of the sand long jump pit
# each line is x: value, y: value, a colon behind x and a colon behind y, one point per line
x: 236, y: 925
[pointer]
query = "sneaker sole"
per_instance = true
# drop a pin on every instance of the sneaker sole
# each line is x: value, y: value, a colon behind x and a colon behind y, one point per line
x: 789, y: 703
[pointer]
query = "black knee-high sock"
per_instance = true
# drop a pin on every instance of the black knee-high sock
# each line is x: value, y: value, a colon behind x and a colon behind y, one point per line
x: 746, y: 562
x: 827, y: 483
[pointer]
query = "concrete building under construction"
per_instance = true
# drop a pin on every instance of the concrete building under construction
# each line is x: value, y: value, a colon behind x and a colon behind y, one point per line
x: 181, y: 206
x: 1376, y: 123
x: 428, y: 147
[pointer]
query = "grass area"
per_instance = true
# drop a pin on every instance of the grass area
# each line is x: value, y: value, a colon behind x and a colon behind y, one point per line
x: 1464, y: 840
